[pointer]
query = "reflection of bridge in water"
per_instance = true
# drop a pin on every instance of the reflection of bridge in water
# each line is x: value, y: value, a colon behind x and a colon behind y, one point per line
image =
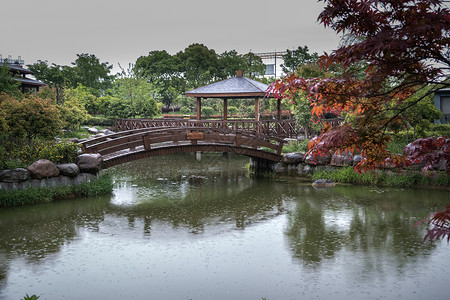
x: 129, y: 145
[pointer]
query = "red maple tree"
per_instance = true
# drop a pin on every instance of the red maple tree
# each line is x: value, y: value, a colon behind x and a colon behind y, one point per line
x: 404, y: 46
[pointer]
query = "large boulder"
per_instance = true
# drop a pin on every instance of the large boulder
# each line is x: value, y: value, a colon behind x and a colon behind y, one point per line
x: 93, y: 130
x: 89, y: 163
x: 323, y: 183
x: 14, y: 175
x: 323, y: 159
x: 70, y: 170
x: 43, y: 168
x: 342, y: 160
x: 293, y: 158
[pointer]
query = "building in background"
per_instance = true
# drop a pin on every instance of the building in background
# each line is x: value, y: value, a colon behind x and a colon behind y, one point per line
x: 273, y: 62
x: 442, y: 102
x: 20, y: 74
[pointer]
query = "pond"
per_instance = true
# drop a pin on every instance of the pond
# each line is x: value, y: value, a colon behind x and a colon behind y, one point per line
x: 177, y: 228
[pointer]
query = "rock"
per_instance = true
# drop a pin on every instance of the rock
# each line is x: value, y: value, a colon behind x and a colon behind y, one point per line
x: 342, y: 160
x: 101, y: 134
x: 14, y: 175
x: 357, y: 159
x: 323, y: 159
x: 70, y: 170
x: 89, y: 163
x: 92, y: 130
x: 107, y: 131
x: 43, y: 168
x: 293, y: 158
x: 323, y: 183
x: 279, y: 168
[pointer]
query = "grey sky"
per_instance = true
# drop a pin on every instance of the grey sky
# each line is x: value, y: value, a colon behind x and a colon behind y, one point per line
x: 121, y: 31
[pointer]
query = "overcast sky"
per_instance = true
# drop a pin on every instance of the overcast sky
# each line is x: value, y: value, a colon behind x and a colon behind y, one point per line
x: 121, y: 31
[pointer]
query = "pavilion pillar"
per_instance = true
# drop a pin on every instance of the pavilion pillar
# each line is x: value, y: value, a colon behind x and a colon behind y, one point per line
x: 257, y: 109
x: 199, y: 108
x: 279, y: 109
x: 225, y: 109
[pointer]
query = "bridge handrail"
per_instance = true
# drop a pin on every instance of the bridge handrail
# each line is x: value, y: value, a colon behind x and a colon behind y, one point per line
x: 284, y: 128
x: 148, y: 137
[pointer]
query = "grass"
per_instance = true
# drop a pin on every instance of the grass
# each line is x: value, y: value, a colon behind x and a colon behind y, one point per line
x: 8, y: 198
x: 348, y: 175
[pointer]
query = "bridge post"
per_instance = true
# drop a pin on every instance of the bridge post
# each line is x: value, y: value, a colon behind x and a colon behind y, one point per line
x: 198, y: 155
x: 259, y: 166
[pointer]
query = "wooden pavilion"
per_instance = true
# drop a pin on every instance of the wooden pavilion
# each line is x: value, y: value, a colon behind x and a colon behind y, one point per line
x: 239, y: 87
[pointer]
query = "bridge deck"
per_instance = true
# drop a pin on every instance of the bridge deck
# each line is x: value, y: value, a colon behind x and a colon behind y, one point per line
x: 135, y: 144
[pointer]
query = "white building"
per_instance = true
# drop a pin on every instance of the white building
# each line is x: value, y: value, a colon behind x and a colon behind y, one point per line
x: 273, y: 62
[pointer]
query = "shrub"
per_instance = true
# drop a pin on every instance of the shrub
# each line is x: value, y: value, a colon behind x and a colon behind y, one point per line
x: 207, y: 111
x: 22, y: 155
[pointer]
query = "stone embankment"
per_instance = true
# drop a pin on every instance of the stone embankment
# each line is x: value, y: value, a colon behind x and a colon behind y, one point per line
x: 297, y: 164
x: 44, y: 173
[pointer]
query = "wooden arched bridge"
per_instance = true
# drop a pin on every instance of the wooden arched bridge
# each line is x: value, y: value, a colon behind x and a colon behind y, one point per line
x: 129, y: 145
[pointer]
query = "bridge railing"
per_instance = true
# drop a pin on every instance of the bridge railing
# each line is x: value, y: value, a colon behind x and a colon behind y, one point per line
x: 150, y: 138
x: 277, y: 128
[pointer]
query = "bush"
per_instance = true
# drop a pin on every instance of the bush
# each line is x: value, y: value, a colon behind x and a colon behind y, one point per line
x: 18, y: 154
x: 99, y: 121
x: 207, y: 111
x: 296, y: 146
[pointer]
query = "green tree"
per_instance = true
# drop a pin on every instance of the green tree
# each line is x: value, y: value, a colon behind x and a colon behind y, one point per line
x: 55, y: 76
x: 296, y: 58
x: 229, y: 63
x: 422, y: 114
x: 199, y: 65
x: 90, y: 72
x: 7, y: 83
x: 137, y: 95
x: 163, y: 71
x: 73, y: 114
x: 253, y: 65
x: 83, y: 95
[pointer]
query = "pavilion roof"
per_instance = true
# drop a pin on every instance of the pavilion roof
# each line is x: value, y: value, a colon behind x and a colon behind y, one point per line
x: 235, y: 87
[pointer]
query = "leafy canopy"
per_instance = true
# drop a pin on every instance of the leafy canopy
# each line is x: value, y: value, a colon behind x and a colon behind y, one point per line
x: 404, y: 46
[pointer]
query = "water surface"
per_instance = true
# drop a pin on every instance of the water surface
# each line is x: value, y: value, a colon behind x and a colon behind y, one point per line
x: 176, y: 228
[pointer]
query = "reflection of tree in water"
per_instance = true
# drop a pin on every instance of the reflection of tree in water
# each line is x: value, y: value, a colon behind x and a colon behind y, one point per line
x: 35, y: 232
x: 311, y: 240
x: 371, y: 224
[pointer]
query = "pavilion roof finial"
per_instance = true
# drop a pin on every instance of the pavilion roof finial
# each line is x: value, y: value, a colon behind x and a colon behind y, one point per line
x: 239, y: 73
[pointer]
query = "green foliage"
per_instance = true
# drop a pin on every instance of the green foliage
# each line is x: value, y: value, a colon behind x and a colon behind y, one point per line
x: 199, y: 65
x: 73, y: 114
x: 253, y: 65
x: 420, y: 114
x: 100, y: 121
x: 30, y: 117
x: 293, y: 59
x: 132, y: 97
x: 207, y: 111
x: 296, y: 146
x: 55, y: 76
x: 229, y: 63
x: 18, y: 153
x: 88, y: 71
x: 101, y: 186
x: 7, y: 83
